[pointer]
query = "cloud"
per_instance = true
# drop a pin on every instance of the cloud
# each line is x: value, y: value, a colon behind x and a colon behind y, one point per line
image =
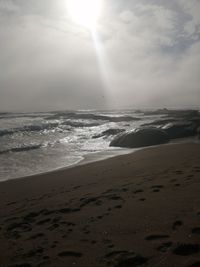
x: 8, y: 7
x: 154, y: 59
x: 147, y: 55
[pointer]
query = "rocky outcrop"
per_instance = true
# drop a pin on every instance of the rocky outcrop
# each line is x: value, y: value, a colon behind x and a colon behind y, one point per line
x: 140, y: 138
x: 177, y: 123
x: 180, y: 129
x: 173, y: 113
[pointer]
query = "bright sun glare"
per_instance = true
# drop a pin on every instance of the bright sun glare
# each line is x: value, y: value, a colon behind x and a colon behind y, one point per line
x: 85, y: 12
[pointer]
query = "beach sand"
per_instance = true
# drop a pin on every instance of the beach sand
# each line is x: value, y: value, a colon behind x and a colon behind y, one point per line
x: 140, y: 209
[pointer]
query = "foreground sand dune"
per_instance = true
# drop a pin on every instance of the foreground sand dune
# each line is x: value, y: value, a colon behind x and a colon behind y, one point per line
x: 141, y: 209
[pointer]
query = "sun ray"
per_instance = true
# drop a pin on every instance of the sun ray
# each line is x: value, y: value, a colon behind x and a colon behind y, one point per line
x: 85, y: 12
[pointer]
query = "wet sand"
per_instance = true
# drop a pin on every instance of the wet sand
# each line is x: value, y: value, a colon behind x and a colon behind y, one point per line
x: 140, y: 209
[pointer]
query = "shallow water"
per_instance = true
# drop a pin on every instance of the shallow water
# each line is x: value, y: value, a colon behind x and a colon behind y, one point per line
x: 32, y: 143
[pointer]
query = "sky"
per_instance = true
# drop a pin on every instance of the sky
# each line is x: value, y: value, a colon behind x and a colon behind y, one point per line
x: 141, y: 53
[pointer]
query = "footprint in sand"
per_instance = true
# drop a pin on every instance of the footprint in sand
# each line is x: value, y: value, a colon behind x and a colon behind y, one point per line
x: 45, y: 257
x: 43, y: 221
x: 56, y: 219
x: 164, y: 246
x: 53, y: 226
x: 44, y: 263
x: 70, y: 254
x: 197, y: 169
x: 84, y: 240
x: 76, y: 187
x: 156, y: 237
x: 36, y: 236
x: 30, y: 217
x: 124, y: 258
x: 90, y: 200
x: 196, y: 230
x: 124, y: 189
x: 68, y: 210
x: 186, y: 249
x: 11, y: 203
x: 178, y: 172
x: 195, y: 264
x: 138, y: 191
x: 21, y: 265
x: 177, y: 224
x: 33, y: 253
x: 15, y: 229
x: 118, y: 207
x: 132, y: 261
x: 173, y: 180
x: 114, y: 197
x: 156, y: 190
x: 157, y: 186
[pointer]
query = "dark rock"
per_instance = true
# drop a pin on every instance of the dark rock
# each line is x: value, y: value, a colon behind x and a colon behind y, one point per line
x: 109, y: 132
x: 187, y: 114
x: 189, y: 119
x: 180, y: 129
x: 140, y: 138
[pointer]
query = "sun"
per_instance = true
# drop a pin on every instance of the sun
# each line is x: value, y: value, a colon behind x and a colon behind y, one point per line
x: 85, y: 12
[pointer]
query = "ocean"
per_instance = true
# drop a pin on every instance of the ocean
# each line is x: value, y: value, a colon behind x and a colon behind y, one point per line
x: 32, y: 143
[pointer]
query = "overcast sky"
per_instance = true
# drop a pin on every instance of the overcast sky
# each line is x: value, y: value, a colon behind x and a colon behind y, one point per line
x: 145, y: 53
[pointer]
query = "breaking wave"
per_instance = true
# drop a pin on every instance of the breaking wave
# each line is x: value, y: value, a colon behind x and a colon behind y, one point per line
x: 29, y: 128
x: 91, y: 116
x: 21, y: 148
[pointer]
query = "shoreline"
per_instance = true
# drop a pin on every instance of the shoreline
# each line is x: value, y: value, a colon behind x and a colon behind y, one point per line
x: 139, y: 207
x: 87, y: 159
x: 103, y: 155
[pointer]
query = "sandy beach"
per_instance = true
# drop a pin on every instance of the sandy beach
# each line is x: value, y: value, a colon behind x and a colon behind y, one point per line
x: 140, y: 209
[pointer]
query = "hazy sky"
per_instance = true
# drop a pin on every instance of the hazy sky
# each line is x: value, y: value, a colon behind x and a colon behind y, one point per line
x: 143, y: 53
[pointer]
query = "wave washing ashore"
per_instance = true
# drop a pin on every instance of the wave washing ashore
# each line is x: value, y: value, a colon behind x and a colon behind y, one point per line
x: 32, y: 143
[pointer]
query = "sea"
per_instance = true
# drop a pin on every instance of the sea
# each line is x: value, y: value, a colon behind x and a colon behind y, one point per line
x: 32, y: 143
